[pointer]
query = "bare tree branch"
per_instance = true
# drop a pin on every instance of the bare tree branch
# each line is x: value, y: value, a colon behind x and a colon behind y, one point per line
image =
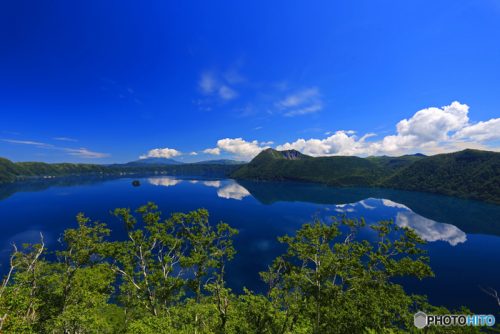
x: 491, y: 292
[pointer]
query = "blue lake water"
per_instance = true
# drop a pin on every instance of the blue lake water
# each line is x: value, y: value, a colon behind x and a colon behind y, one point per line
x: 463, y: 236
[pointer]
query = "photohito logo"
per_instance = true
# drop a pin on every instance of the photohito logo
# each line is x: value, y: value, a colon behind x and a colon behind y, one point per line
x: 421, y: 320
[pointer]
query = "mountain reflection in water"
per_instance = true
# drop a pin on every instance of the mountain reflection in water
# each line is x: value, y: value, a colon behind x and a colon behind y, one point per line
x: 426, y: 228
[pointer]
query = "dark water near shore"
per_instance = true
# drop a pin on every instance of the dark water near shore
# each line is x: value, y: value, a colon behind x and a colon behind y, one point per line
x: 463, y: 236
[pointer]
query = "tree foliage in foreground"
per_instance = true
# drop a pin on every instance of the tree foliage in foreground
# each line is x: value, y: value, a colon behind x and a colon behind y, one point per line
x: 169, y: 276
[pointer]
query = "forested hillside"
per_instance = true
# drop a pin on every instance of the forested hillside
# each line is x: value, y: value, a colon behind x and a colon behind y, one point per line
x: 292, y: 165
x: 10, y: 171
x: 468, y: 174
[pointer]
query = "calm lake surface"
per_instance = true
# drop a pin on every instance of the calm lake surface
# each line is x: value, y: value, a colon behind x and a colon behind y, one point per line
x: 463, y: 236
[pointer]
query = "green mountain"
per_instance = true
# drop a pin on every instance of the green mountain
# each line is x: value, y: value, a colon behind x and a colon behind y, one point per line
x: 467, y: 174
x: 293, y: 165
x: 395, y: 163
x: 10, y: 171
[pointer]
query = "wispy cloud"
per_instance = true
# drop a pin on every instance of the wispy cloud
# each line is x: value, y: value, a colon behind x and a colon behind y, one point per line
x: 80, y: 152
x: 233, y: 76
x: 219, y: 85
x: 65, y: 139
x: 83, y: 152
x: 227, y: 93
x: 256, y: 98
x: 207, y: 83
x: 305, y: 110
x: 29, y: 142
x: 302, y: 102
x: 299, y: 98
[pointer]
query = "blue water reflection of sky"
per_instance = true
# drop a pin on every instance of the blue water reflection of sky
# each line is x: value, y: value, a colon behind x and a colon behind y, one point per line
x: 263, y: 211
x: 380, y: 209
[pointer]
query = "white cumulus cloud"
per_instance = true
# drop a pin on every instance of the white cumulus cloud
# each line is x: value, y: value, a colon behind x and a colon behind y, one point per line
x: 482, y: 131
x: 430, y: 130
x: 341, y: 143
x: 433, y: 124
x: 213, y: 151
x: 161, y: 153
x: 240, y: 147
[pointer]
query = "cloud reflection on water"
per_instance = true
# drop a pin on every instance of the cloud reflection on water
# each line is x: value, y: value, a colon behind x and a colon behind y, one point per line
x: 225, y: 189
x: 233, y: 191
x: 215, y: 184
x: 164, y: 181
x: 427, y: 229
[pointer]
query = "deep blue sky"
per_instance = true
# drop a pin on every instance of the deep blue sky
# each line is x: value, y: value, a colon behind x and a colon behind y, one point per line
x: 125, y: 77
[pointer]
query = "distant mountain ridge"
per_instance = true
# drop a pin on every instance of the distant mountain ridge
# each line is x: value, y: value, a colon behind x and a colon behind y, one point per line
x: 167, y: 161
x: 468, y: 174
x: 153, y: 161
x: 220, y: 162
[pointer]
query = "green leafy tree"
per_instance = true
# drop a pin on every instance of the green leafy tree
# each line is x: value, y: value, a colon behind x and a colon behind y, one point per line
x: 168, y: 276
x: 19, y: 303
x: 148, y: 262
x: 207, y: 253
x: 329, y: 282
